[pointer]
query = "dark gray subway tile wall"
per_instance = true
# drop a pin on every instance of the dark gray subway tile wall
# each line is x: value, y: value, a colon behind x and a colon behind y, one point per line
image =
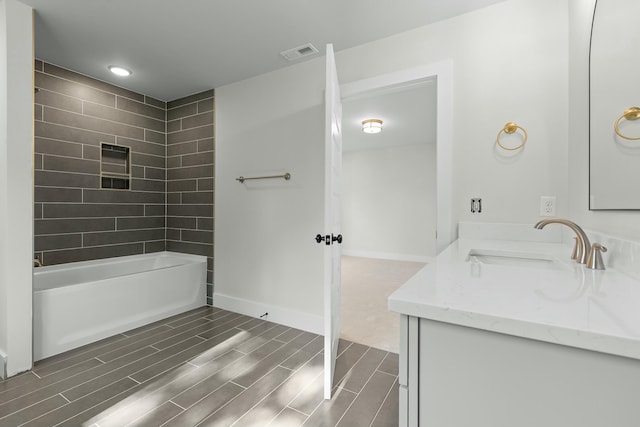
x: 170, y: 203
x: 79, y: 220
x: 190, y: 171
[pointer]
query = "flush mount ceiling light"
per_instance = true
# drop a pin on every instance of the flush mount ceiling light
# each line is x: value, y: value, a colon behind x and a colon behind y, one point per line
x: 372, y: 126
x: 119, y: 71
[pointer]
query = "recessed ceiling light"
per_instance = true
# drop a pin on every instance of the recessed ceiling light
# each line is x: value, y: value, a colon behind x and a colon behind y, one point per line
x: 119, y: 71
x: 371, y: 126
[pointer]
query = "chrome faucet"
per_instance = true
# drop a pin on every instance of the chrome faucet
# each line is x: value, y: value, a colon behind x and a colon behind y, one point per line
x: 582, y: 243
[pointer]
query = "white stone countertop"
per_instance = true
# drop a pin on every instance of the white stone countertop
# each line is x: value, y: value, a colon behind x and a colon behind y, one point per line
x: 561, y: 302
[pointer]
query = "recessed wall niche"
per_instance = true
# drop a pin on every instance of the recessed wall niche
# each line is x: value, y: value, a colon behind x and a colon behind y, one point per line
x: 115, y: 166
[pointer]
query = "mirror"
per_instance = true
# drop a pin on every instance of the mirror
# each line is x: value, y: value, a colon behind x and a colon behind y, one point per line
x: 614, y: 134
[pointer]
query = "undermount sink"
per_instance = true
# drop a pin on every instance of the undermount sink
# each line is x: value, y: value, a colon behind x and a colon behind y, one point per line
x: 514, y: 259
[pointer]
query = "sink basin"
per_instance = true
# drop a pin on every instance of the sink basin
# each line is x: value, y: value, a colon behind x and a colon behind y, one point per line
x: 514, y: 259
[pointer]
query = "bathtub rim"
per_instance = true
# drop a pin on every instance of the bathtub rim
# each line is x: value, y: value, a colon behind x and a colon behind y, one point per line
x: 76, y: 265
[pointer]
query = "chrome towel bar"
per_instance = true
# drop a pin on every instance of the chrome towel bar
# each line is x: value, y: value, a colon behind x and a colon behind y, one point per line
x: 286, y: 176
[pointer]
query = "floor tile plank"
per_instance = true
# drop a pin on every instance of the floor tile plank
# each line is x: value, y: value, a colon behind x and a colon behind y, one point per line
x: 329, y: 412
x: 253, y: 374
x: 125, y: 369
x: 278, y: 400
x: 86, y: 402
x: 207, y: 406
x: 207, y: 366
x: 26, y: 414
x: 60, y: 361
x: 19, y: 380
x: 346, y: 360
x: 247, y: 399
x: 204, y: 387
x: 366, y: 405
x: 158, y: 416
x: 55, y: 377
x: 388, y: 414
x: 288, y: 418
x: 360, y: 373
x: 390, y: 364
x: 159, y: 392
x: 74, y: 381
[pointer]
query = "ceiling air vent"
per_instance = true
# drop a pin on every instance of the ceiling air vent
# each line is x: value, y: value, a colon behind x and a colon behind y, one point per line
x: 299, y: 52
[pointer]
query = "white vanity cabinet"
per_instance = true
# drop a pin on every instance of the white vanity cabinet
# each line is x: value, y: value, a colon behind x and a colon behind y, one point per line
x: 490, y: 343
x: 457, y: 376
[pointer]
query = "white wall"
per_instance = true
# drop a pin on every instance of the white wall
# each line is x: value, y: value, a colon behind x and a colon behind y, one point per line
x: 621, y: 223
x: 266, y: 258
x: 510, y: 64
x: 389, y: 202
x: 16, y: 185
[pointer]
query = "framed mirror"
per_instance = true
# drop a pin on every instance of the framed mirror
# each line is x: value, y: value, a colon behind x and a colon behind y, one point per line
x: 614, y: 98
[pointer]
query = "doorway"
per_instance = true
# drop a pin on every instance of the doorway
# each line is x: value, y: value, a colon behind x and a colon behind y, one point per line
x: 389, y: 202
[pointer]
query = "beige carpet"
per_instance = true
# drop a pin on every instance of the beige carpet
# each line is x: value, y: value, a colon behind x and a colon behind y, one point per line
x: 366, y: 285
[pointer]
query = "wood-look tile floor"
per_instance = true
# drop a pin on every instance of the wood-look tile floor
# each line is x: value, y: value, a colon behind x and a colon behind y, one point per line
x: 206, y: 367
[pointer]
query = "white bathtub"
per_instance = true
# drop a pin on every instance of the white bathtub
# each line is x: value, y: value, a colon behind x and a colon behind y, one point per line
x: 79, y: 303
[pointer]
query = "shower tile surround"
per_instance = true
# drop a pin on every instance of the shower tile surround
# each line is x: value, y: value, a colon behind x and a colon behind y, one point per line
x: 169, y: 205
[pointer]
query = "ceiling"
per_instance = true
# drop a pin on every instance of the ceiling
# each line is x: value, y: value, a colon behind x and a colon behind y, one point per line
x: 408, y: 114
x: 180, y: 47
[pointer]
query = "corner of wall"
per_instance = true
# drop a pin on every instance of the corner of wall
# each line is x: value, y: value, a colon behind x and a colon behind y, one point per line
x: 3, y: 366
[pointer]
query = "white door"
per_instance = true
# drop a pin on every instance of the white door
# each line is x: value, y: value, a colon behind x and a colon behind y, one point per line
x: 332, y: 237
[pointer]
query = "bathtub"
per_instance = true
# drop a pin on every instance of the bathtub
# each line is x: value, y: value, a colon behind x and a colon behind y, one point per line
x: 82, y: 302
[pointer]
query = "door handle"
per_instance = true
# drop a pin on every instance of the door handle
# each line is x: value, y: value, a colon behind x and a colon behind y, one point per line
x: 328, y: 239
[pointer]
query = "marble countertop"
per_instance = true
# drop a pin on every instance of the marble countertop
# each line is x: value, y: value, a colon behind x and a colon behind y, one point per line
x: 557, y: 300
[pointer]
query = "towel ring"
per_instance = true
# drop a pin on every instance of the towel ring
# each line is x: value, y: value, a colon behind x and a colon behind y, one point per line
x: 511, y: 128
x: 631, y: 113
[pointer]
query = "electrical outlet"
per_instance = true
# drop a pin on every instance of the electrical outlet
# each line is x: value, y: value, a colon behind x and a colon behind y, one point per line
x: 547, y: 205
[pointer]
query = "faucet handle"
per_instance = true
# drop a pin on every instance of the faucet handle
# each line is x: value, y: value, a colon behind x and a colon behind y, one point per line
x: 574, y: 254
x: 595, y: 257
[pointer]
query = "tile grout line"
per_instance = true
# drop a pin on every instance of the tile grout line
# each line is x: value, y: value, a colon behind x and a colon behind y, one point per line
x: 285, y: 380
x: 303, y: 390
x: 134, y: 401
x: 170, y: 400
x: 300, y: 412
x: 133, y: 379
x: 363, y: 386
x: 323, y: 400
x: 339, y: 387
x: 241, y: 386
x: 164, y: 339
x: 86, y: 85
x: 125, y: 391
x: 136, y: 115
x: 99, y: 376
x: 39, y: 388
x: 29, y: 406
x: 275, y: 386
x: 386, y: 373
x: 383, y: 400
x: 80, y: 354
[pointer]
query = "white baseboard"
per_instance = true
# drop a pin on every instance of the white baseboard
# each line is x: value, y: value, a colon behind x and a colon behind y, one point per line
x: 3, y: 366
x: 283, y: 316
x: 389, y: 256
